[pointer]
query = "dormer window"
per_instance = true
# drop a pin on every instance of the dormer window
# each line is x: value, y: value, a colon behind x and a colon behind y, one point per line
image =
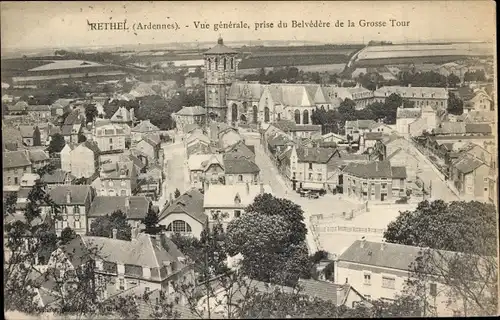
x: 237, y: 199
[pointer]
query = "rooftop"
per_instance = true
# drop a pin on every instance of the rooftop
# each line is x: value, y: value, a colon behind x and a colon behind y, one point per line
x: 137, y: 208
x: 374, y: 169
x: 78, y: 194
x: 220, y: 48
x: 190, y: 203
x: 16, y: 159
x: 240, y: 166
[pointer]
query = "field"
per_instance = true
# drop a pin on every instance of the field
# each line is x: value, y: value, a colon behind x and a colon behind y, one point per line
x: 420, y: 53
x: 291, y: 60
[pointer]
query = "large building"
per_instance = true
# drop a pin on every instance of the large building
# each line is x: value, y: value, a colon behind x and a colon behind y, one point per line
x: 220, y: 72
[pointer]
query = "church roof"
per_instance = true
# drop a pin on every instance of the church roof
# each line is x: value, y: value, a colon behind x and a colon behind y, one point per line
x: 220, y: 48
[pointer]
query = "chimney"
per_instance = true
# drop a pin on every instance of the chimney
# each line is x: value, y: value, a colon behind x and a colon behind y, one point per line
x: 248, y: 188
x: 363, y: 242
x: 114, y: 233
x: 68, y: 197
x: 261, y: 188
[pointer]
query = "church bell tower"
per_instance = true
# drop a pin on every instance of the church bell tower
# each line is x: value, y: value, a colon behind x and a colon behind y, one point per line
x: 220, y: 73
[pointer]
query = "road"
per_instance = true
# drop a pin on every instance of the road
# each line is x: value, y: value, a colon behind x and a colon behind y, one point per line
x: 324, y: 205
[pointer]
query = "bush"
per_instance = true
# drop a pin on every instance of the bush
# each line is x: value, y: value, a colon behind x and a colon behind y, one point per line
x: 402, y: 200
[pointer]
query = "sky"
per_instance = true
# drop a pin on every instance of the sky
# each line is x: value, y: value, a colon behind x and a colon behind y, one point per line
x: 64, y: 24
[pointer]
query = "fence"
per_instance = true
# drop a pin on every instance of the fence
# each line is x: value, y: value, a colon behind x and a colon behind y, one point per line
x: 318, y: 229
x: 321, y: 218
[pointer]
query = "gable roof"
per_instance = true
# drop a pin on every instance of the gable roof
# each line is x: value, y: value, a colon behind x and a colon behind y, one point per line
x: 246, y: 91
x: 26, y: 131
x: 79, y: 194
x: 398, y: 172
x: 137, y: 210
x: 192, y: 111
x: 201, y: 161
x: 188, y: 128
x: 478, y: 128
x: 145, y: 126
x: 374, y: 169
x: 408, y: 113
x: 467, y: 164
x: 190, y: 203
x: 240, y: 166
x: 58, y: 176
x: 316, y: 155
x: 91, y: 145
x: 122, y: 115
x: 37, y: 155
x: 16, y: 159
x: 451, y: 128
x: 240, y: 149
x: 74, y: 117
x: 41, y: 107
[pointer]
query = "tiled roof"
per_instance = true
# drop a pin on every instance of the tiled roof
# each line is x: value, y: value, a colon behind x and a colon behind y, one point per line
x: 465, y: 93
x: 190, y: 127
x: 240, y: 166
x: 67, y: 130
x: 37, y: 155
x: 220, y: 48
x: 79, y: 194
x: 399, y: 172
x: 38, y: 108
x: 73, y: 118
x: 478, y: 128
x: 361, y: 124
x: 190, y: 203
x: 15, y: 159
x: 467, y: 164
x: 91, y: 145
x: 409, y: 92
x: 478, y: 116
x: 192, y: 111
x: 373, y: 135
x: 375, y: 169
x: 138, y: 206
x: 145, y: 126
x: 279, y: 140
x: 336, y: 293
x: 200, y: 161
x: 27, y: 131
x: 223, y: 196
x: 197, y: 136
x: 316, y: 155
x: 122, y: 169
x: 58, y: 176
x: 246, y: 91
x: 408, y: 113
x: 386, y: 255
x: 240, y: 149
x: 451, y: 128
x: 145, y: 250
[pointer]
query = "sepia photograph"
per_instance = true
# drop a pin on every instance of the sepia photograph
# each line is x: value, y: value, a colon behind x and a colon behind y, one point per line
x: 249, y: 159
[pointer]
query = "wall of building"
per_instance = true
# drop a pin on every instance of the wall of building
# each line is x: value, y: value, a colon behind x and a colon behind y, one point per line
x: 250, y: 178
x: 374, y: 188
x: 196, y: 226
x: 83, y: 162
x: 12, y: 176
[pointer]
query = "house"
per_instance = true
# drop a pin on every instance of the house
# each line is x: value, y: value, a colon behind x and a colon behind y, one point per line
x: 240, y: 170
x: 470, y: 176
x: 190, y: 115
x: 15, y: 165
x: 478, y: 129
x: 475, y: 99
x: 228, y: 202
x: 333, y: 137
x: 145, y: 127
x: 19, y: 108
x: 11, y: 138
x: 134, y: 207
x: 109, y: 136
x: 380, y: 270
x: 31, y: 135
x: 199, y: 147
x: 276, y: 144
x: 223, y: 135
x: 451, y: 128
x: 47, y: 131
x: 400, y: 152
x: 306, y: 167
x: 368, y: 140
x: 294, y: 130
x: 420, y: 96
x: 152, y: 260
x: 123, y: 116
x: 405, y: 116
x: 74, y: 203
x: 39, y: 158
x: 151, y: 146
x: 240, y: 150
x: 205, y: 168
x: 376, y: 180
x: 56, y: 178
x: 478, y: 117
x: 73, y: 126
x: 185, y: 215
x: 357, y: 128
x: 190, y: 128
x: 39, y: 112
x: 149, y: 183
x: 116, y: 179
x: 80, y: 160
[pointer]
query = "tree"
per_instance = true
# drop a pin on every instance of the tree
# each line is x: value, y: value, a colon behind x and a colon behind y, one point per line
x: 103, y: 226
x: 151, y: 221
x: 453, y: 80
x: 37, y: 141
x: 347, y: 109
x: 110, y: 109
x: 56, y: 144
x: 81, y: 138
x: 67, y: 234
x: 465, y: 264
x: 177, y: 193
x: 271, y: 238
x: 91, y: 112
x: 455, y: 104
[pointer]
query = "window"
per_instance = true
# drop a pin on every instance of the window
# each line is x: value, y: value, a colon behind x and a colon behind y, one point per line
x: 310, y: 176
x: 384, y: 185
x: 146, y: 289
x: 389, y: 283
x: 294, y: 175
x: 320, y: 177
x: 368, y: 279
x: 179, y: 226
x: 110, y: 140
x: 310, y: 166
x: 111, y: 184
x: 237, y: 213
x: 76, y: 209
x: 8, y: 180
x: 433, y: 289
x: 240, y: 178
x: 123, y: 192
x: 123, y: 183
x: 16, y: 180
